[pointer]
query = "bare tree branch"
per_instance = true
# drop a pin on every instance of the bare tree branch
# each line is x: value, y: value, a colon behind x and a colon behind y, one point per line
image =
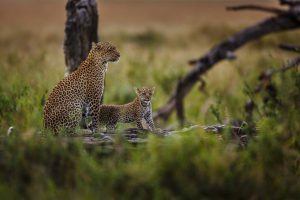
x: 256, y: 8
x: 289, y: 2
x: 283, y: 22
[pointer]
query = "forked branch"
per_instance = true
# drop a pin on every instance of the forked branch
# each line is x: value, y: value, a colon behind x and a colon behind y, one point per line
x: 284, y: 21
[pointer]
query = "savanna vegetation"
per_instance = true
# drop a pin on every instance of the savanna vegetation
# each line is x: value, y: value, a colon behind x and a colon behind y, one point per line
x: 185, y: 165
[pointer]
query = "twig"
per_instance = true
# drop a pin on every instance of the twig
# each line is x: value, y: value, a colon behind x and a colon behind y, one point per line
x: 290, y: 64
x: 179, y: 106
x: 266, y: 75
x: 289, y: 47
x: 256, y: 8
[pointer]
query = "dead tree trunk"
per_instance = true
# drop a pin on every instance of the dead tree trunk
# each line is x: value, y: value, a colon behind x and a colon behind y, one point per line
x: 283, y: 21
x: 80, y: 31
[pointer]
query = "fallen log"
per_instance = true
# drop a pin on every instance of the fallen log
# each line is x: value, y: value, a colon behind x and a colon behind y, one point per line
x: 139, y: 136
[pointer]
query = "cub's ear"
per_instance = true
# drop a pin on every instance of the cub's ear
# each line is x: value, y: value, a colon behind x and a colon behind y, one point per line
x: 93, y: 45
x: 153, y: 89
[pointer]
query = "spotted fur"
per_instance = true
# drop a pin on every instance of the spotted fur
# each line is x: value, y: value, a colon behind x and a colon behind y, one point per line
x: 137, y: 110
x: 84, y: 87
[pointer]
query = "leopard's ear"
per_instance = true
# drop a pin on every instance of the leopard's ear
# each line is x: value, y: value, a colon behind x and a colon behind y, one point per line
x: 136, y: 90
x: 93, y: 45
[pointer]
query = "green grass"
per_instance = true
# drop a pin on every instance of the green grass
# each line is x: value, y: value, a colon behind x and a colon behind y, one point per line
x: 190, y: 165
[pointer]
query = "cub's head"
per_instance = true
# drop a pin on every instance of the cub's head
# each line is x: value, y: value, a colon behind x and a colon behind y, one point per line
x: 105, y: 52
x: 145, y: 94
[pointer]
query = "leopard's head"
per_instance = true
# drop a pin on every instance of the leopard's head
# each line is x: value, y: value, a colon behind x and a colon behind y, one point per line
x: 104, y: 52
x: 145, y: 94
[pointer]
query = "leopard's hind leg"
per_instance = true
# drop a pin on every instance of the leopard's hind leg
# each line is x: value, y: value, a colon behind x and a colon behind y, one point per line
x: 67, y: 119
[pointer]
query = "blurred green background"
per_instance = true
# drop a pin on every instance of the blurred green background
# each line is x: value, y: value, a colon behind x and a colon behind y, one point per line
x: 156, y: 39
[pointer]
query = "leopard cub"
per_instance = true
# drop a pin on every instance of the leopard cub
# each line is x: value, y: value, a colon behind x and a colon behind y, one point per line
x: 137, y: 110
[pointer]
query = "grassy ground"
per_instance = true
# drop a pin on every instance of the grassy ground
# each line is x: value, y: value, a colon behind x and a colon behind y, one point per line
x: 185, y: 165
x: 152, y: 57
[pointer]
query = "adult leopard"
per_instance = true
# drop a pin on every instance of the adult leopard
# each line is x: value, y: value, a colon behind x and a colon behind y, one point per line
x: 83, y: 87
